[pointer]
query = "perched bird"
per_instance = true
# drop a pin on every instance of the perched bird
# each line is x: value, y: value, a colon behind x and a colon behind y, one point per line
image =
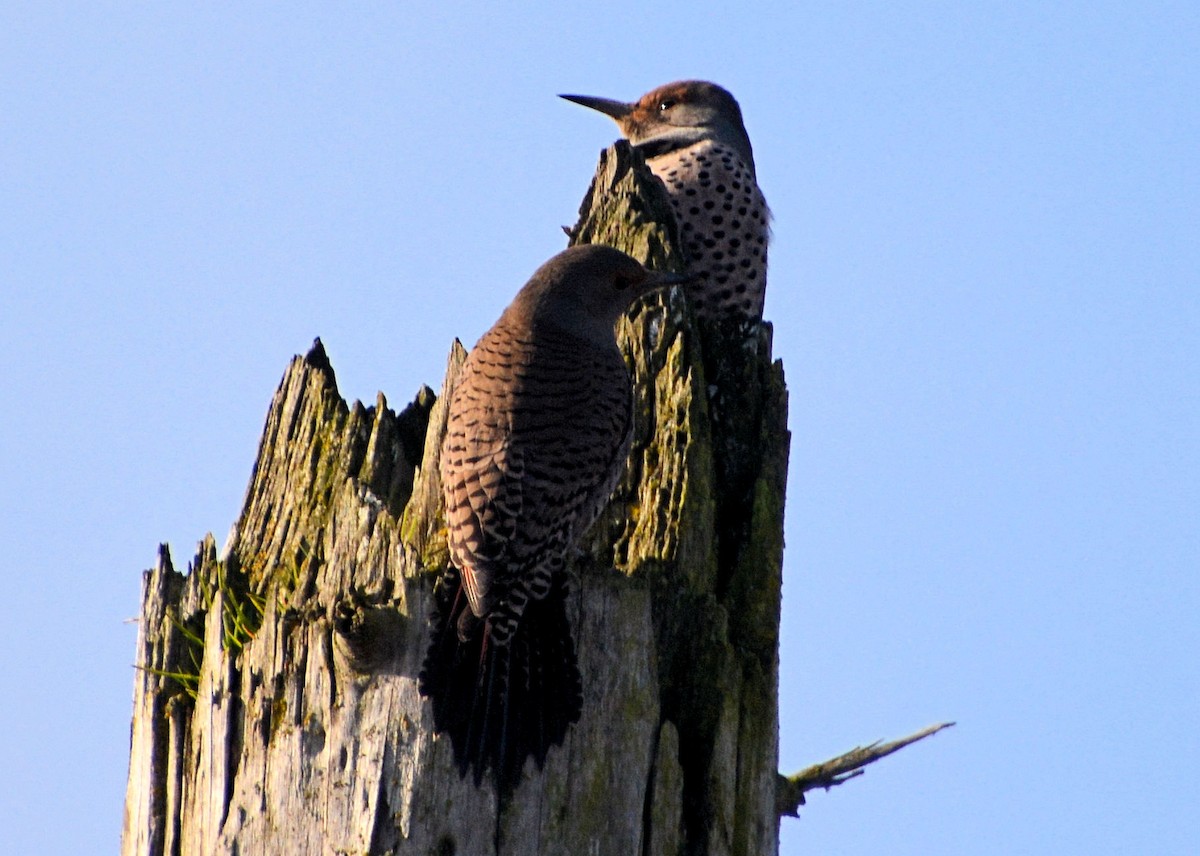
x: 693, y: 138
x: 537, y: 435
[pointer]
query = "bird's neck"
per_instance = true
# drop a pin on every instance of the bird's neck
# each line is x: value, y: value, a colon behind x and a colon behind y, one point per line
x: 684, y: 138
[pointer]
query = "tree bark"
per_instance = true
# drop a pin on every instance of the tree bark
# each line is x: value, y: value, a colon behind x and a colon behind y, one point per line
x: 276, y: 707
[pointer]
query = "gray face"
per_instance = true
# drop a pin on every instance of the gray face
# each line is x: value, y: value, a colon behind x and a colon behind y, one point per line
x: 585, y: 289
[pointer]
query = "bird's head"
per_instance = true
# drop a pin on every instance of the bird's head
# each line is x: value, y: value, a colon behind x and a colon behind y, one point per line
x: 585, y: 289
x: 677, y: 115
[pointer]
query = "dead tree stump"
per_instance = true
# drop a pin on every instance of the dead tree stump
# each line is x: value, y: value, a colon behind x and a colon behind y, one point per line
x: 275, y: 703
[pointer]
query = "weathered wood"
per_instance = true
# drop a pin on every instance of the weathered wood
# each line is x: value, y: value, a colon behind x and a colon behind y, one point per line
x: 298, y: 728
x: 790, y: 790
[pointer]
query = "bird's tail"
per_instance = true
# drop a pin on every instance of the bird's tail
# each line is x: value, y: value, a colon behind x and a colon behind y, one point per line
x: 501, y: 702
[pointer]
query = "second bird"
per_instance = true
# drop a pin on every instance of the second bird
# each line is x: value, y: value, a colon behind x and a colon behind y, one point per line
x: 693, y: 138
x: 538, y: 431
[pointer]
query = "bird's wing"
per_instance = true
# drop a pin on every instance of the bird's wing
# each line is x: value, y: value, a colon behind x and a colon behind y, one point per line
x: 483, y: 473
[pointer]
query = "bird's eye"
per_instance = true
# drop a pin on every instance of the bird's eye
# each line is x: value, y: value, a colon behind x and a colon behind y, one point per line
x: 665, y: 105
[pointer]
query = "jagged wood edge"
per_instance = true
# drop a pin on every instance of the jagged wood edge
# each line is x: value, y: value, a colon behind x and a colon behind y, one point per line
x: 310, y: 418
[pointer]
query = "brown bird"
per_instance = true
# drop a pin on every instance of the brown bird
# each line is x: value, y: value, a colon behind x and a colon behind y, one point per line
x: 693, y: 137
x: 538, y: 432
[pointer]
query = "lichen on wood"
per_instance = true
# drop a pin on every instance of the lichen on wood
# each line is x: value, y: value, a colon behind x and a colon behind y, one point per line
x: 308, y: 735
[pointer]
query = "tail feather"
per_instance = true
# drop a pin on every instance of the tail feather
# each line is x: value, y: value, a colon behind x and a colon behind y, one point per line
x: 501, y: 704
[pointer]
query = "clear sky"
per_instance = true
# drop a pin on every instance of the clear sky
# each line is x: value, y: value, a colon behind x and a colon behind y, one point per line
x: 985, y: 285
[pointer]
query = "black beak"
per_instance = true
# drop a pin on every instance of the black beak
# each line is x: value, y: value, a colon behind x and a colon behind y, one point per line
x: 663, y: 279
x: 613, y: 109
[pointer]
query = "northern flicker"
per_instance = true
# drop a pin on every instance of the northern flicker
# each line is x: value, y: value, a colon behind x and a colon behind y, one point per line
x: 693, y: 138
x: 537, y: 435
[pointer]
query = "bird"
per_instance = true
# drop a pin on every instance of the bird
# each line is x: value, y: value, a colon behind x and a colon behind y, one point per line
x: 693, y: 138
x: 538, y: 430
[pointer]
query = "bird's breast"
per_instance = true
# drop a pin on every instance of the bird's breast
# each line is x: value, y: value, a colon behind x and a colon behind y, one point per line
x: 724, y: 224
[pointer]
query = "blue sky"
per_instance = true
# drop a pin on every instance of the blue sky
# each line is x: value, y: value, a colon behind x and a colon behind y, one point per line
x: 985, y: 284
